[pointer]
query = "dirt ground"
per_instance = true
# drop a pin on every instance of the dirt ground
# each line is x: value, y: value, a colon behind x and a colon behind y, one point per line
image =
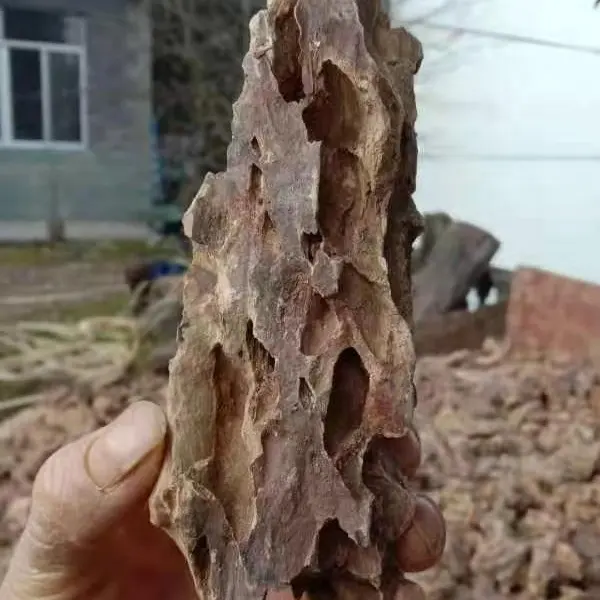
x: 71, y: 276
x: 31, y: 436
x: 37, y: 290
x: 43, y: 281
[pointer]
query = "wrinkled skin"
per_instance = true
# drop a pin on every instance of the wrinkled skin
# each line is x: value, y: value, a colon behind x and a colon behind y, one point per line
x: 88, y: 540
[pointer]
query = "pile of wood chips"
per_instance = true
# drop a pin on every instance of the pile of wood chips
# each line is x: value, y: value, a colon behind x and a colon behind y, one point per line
x: 511, y: 453
x: 32, y: 435
x: 511, y: 449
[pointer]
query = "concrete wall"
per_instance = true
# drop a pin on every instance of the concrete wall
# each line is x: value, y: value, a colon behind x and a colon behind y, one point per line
x: 109, y: 180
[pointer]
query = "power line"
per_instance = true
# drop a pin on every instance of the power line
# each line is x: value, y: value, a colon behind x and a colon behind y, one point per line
x: 458, y: 157
x: 512, y: 37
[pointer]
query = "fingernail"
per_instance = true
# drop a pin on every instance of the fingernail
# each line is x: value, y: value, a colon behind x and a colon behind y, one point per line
x: 124, y: 444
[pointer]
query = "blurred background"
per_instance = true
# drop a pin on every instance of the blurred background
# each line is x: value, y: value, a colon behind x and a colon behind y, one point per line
x: 112, y: 111
x: 508, y: 127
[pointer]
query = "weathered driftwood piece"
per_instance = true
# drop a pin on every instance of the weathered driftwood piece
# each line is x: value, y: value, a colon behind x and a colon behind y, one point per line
x: 293, y: 377
x: 434, y: 226
x: 458, y: 258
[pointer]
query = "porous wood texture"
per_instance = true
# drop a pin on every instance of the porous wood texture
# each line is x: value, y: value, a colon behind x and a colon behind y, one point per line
x: 295, y: 361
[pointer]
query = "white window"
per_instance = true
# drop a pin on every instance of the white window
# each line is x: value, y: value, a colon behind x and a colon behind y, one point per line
x: 42, y: 79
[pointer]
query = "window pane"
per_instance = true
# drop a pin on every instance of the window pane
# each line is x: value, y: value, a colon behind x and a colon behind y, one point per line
x: 26, y: 83
x: 65, y: 107
x: 42, y: 26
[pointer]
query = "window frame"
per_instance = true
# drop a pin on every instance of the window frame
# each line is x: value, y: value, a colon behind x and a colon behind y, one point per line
x: 7, y: 139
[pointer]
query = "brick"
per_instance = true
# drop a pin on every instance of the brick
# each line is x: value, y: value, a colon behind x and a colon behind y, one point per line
x: 552, y: 313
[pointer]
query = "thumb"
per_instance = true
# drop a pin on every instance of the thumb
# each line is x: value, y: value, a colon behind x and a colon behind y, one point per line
x: 88, y: 486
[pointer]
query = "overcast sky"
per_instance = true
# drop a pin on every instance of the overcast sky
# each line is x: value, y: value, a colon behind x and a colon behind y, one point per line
x: 510, y: 132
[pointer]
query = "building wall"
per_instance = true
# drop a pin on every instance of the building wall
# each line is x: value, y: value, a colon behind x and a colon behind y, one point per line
x: 109, y: 180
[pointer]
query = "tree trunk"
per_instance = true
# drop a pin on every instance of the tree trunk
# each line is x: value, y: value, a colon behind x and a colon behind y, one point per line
x: 459, y: 257
x: 293, y: 376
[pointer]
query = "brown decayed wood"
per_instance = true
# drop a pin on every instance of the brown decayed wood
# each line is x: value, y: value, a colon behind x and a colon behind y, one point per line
x: 294, y: 369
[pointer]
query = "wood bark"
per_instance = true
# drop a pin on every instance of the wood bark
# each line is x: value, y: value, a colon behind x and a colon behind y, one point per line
x: 461, y: 254
x: 502, y: 279
x: 293, y: 374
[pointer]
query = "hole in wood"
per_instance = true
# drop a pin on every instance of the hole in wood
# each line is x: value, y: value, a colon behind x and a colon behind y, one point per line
x: 334, y: 116
x: 349, y: 390
x: 305, y: 395
x: 263, y: 363
x: 286, y: 65
x: 270, y: 237
x: 201, y: 556
x: 341, y: 198
x: 255, y: 192
x: 311, y: 242
x: 231, y: 477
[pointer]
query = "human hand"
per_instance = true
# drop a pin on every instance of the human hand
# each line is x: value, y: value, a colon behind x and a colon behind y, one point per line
x: 89, y: 533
